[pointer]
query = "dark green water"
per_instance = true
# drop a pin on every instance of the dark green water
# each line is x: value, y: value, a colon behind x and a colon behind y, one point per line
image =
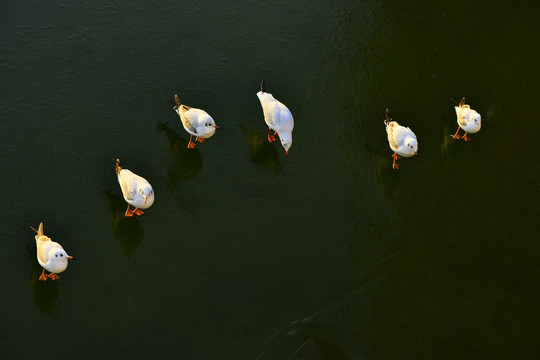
x: 245, y: 254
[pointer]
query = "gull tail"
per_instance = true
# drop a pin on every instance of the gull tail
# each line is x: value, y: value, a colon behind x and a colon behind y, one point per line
x: 118, y: 166
x: 39, y: 231
x: 387, y: 117
x: 461, y: 103
x: 177, y: 102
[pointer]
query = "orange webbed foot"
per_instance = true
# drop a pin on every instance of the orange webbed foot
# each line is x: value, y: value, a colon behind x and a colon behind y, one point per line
x: 456, y: 135
x: 43, y: 276
x: 191, y: 144
x: 129, y: 213
x: 53, y: 276
x: 138, y: 211
x: 466, y: 138
x: 199, y: 139
x: 271, y: 138
x: 396, y: 157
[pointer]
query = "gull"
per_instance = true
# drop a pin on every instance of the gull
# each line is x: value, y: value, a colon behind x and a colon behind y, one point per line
x: 50, y: 255
x: 136, y: 190
x: 467, y: 119
x: 401, y: 140
x: 278, y: 118
x: 196, y: 122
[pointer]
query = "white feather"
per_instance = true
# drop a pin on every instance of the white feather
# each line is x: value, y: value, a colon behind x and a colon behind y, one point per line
x: 278, y: 118
x: 468, y: 119
x: 50, y: 254
x: 137, y: 190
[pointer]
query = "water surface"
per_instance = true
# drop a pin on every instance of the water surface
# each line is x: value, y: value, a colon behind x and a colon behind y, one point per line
x: 327, y: 253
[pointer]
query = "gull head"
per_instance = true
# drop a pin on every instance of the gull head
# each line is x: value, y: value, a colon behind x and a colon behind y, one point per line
x: 286, y: 141
x: 476, y: 119
x: 147, y: 193
x: 58, y: 261
x: 411, y: 146
x: 210, y: 125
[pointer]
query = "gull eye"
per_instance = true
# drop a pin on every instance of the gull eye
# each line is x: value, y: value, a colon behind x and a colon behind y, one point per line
x: 56, y: 255
x: 62, y: 255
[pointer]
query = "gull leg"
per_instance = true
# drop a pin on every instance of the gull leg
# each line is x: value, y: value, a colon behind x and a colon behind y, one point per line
x: 395, y: 165
x: 456, y: 136
x: 271, y: 138
x: 129, y: 213
x: 53, y: 276
x: 190, y: 145
x: 43, y: 276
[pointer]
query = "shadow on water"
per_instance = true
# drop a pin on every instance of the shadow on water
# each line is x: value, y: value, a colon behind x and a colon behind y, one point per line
x: 187, y: 163
x: 45, y: 292
x: 451, y: 149
x: 387, y: 177
x: 263, y: 153
x: 128, y: 231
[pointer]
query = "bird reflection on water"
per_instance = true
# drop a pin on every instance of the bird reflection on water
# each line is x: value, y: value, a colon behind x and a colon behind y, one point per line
x: 45, y: 292
x: 128, y: 231
x: 186, y: 163
x: 263, y: 153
